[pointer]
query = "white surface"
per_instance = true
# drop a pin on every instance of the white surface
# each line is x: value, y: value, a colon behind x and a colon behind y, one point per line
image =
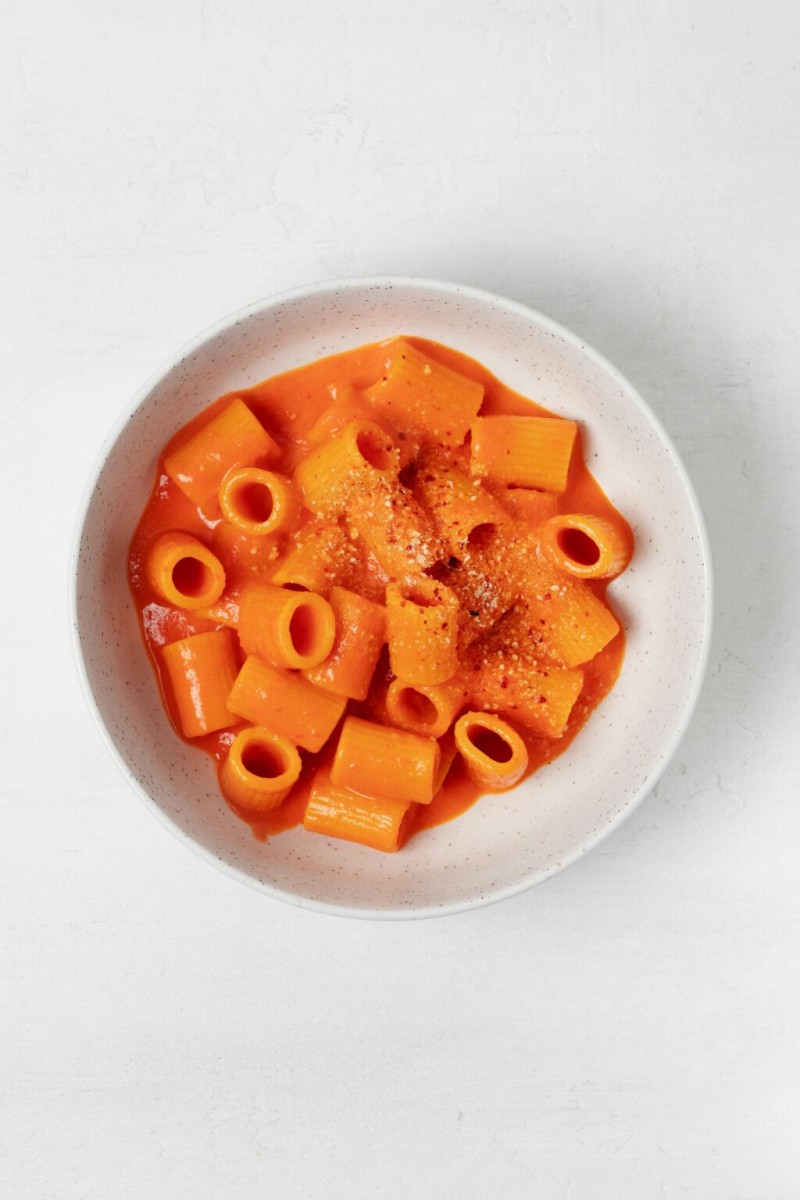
x: 629, y: 1029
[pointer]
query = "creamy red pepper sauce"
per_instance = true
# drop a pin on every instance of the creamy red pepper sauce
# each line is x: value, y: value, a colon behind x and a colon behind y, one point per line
x: 288, y: 406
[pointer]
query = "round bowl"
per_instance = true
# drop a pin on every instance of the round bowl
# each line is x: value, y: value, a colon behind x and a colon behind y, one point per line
x: 504, y: 843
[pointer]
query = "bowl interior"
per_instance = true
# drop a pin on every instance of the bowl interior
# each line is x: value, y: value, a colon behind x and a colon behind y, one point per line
x: 505, y: 842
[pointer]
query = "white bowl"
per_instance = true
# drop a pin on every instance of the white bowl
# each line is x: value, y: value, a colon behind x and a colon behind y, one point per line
x: 504, y: 843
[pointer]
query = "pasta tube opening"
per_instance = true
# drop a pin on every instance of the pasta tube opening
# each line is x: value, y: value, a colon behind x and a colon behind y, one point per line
x: 374, y: 447
x: 287, y: 627
x: 428, y: 710
x: 258, y: 502
x: 417, y: 707
x: 192, y: 577
x: 493, y: 752
x: 586, y: 546
x: 184, y: 572
x: 481, y: 537
x: 260, y: 770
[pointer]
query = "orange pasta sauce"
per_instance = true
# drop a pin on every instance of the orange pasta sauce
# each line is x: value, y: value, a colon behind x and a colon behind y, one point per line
x: 292, y: 408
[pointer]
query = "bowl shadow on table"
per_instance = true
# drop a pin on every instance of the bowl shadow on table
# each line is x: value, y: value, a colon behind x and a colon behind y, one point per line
x: 698, y: 386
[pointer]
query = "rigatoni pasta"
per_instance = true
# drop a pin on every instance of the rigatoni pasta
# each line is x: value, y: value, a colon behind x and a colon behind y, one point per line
x: 201, y: 670
x: 285, y: 703
x: 184, y: 572
x: 260, y: 770
x: 340, y: 812
x: 360, y: 458
x: 429, y: 709
x: 532, y: 452
x: 586, y: 546
x: 421, y: 395
x: 422, y: 631
x: 286, y: 628
x: 374, y: 589
x: 493, y: 752
x: 258, y: 502
x: 232, y: 438
x: 360, y: 632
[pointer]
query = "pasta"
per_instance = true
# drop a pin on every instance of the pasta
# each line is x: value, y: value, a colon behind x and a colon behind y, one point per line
x: 258, y: 502
x: 285, y: 703
x: 586, y: 546
x: 340, y: 812
x: 201, y: 670
x: 493, y: 752
x: 531, y: 452
x: 286, y: 628
x: 361, y: 457
x: 458, y: 504
x: 314, y: 562
x: 428, y: 709
x: 421, y: 394
x: 376, y: 605
x: 422, y: 630
x: 376, y: 760
x: 359, y: 636
x: 184, y: 572
x: 260, y: 770
x: 232, y: 438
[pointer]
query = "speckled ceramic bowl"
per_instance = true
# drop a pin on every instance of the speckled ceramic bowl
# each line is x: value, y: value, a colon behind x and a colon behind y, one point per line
x: 504, y: 843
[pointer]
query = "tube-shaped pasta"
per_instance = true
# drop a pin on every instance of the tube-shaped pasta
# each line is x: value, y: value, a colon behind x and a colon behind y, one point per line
x: 233, y: 438
x: 493, y: 752
x: 487, y: 579
x: 315, y: 560
x: 286, y: 628
x: 258, y: 502
x: 394, y: 529
x: 360, y: 634
x: 183, y: 571
x: 361, y: 456
x: 339, y: 812
x: 260, y: 770
x: 455, y: 503
x: 422, y: 631
x: 429, y: 710
x: 532, y: 452
x: 539, y: 698
x: 286, y: 703
x: 586, y: 546
x: 573, y: 623
x: 201, y: 671
x: 379, y: 761
x: 419, y: 394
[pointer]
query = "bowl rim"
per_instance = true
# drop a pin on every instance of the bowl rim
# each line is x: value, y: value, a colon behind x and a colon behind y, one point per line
x: 349, y: 283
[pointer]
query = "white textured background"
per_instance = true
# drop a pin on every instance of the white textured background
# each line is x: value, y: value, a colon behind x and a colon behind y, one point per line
x: 627, y: 1031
